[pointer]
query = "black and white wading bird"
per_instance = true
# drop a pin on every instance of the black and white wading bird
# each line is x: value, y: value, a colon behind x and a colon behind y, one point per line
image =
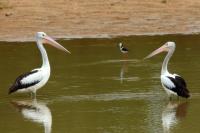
x: 173, y: 84
x: 37, y: 78
x: 122, y: 48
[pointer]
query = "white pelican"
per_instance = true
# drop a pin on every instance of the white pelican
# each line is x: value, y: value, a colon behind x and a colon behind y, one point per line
x: 172, y: 83
x: 37, y: 78
x: 36, y: 112
x: 122, y: 48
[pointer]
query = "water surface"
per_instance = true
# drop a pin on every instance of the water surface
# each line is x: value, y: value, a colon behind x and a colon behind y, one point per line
x: 98, y: 90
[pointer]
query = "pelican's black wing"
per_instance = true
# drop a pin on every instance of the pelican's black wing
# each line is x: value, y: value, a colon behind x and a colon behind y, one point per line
x: 180, y: 86
x: 181, y: 80
x: 19, y: 85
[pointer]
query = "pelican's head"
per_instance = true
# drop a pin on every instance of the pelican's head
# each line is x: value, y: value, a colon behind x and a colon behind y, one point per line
x: 44, y: 38
x: 168, y: 46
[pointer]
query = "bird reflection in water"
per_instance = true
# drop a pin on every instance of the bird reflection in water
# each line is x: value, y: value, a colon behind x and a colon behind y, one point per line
x: 172, y: 114
x: 36, y: 112
x: 124, y: 69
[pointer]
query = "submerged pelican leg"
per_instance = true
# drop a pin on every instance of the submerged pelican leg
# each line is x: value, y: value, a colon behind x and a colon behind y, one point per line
x: 33, y: 95
x: 170, y: 98
x: 30, y: 94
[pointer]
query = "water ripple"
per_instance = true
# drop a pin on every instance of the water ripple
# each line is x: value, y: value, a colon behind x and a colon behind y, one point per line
x: 108, y: 61
x: 116, y: 96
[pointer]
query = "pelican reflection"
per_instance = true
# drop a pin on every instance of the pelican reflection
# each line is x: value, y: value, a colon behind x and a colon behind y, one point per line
x: 172, y: 114
x: 36, y: 112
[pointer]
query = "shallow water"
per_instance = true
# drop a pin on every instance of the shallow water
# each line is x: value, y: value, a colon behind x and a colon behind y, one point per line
x: 98, y: 90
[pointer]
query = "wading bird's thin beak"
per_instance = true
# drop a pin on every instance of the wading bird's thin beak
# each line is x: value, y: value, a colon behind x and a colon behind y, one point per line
x: 53, y: 43
x: 157, y: 51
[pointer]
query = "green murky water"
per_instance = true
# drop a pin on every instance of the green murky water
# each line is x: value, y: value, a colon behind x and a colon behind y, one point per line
x: 98, y: 90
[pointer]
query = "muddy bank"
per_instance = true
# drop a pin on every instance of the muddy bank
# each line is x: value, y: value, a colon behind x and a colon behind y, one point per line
x: 19, y: 20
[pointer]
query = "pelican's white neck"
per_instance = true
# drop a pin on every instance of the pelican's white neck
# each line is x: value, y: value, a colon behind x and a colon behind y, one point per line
x: 45, y: 60
x: 166, y: 60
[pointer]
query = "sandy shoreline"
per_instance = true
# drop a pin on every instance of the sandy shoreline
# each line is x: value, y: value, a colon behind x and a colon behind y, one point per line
x: 97, y: 18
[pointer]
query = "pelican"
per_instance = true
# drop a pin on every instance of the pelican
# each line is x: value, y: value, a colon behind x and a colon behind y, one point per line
x: 37, y: 78
x: 173, y: 84
x: 36, y: 112
x: 123, y: 49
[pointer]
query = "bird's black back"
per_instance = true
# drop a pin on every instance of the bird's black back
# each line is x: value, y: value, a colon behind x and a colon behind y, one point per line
x: 124, y: 49
x: 180, y: 86
x: 18, y: 84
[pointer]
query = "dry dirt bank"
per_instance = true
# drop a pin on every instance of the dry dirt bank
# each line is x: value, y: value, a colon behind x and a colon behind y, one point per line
x: 20, y: 19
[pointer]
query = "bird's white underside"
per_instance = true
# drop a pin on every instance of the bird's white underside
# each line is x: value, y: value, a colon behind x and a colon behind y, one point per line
x: 167, y: 82
x: 41, y: 75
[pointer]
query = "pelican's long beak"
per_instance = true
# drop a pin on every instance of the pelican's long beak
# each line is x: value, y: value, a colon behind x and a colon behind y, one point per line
x: 157, y: 51
x: 53, y: 43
